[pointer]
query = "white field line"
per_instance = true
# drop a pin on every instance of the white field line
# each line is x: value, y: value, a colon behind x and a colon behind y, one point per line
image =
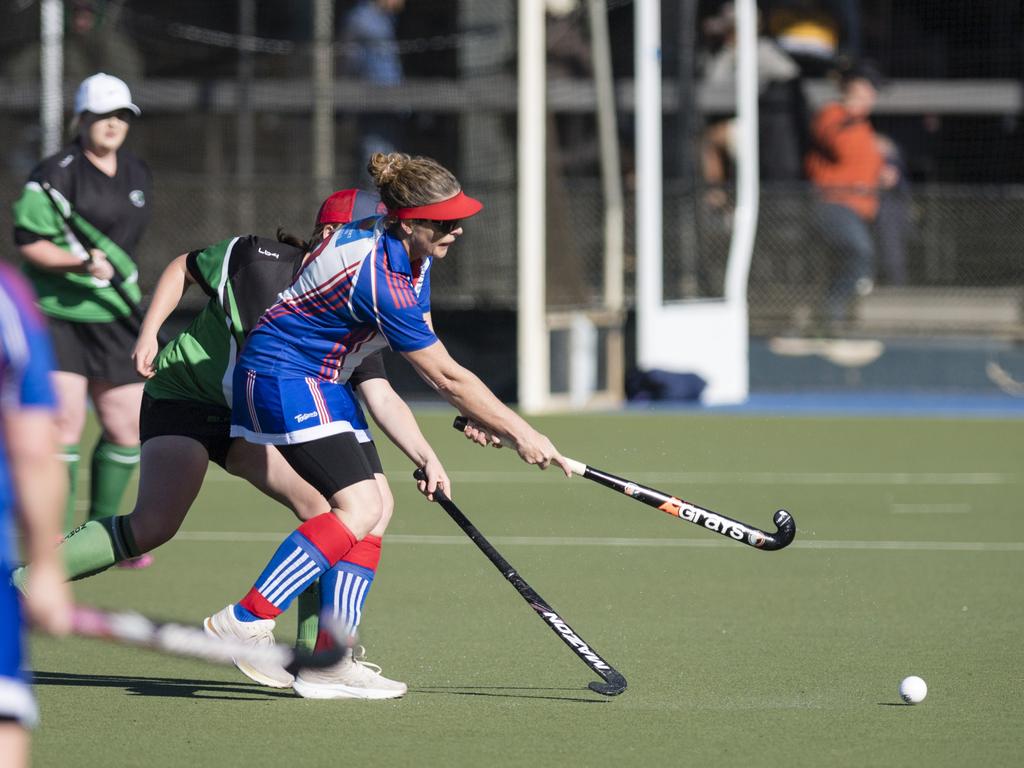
x: 930, y: 509
x: 581, y: 541
x: 527, y: 476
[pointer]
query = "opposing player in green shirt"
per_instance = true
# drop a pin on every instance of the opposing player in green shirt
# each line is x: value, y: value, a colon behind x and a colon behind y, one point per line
x: 185, y: 424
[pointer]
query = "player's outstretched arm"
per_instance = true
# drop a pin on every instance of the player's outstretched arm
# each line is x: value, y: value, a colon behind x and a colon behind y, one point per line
x: 397, y: 421
x: 171, y: 286
x: 472, y: 398
x: 40, y: 483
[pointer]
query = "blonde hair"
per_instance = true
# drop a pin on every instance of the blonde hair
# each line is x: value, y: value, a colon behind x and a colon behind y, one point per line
x: 405, y: 181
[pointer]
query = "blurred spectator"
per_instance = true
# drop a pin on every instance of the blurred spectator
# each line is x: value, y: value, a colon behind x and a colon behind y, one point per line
x: 93, y: 42
x: 893, y: 221
x: 848, y: 14
x: 371, y: 53
x: 569, y: 57
x: 846, y: 167
x: 780, y: 109
x: 807, y: 30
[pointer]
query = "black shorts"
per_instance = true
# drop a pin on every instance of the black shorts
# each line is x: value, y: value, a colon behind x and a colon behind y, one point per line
x: 95, y: 350
x: 207, y: 424
x: 334, y: 462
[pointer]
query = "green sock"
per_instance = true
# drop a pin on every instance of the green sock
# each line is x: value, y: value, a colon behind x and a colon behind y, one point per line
x: 97, y: 545
x: 90, y: 549
x: 309, y: 618
x: 86, y: 550
x: 70, y: 456
x: 112, y: 469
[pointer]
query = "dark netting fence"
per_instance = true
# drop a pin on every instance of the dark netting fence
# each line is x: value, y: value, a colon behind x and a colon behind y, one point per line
x: 229, y: 99
x: 229, y: 93
x: 948, y: 254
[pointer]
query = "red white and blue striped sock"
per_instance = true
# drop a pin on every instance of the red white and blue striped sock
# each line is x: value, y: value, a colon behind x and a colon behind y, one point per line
x: 309, y: 551
x: 343, y: 589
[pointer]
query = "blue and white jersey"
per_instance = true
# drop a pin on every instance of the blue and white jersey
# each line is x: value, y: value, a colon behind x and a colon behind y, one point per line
x: 358, y: 294
x: 26, y: 360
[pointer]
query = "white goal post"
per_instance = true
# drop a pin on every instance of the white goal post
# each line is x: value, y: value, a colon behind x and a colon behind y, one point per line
x: 707, y: 337
x: 592, y: 336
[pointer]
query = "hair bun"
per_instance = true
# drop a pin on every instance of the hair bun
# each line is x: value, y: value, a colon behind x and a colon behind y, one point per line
x: 384, y: 168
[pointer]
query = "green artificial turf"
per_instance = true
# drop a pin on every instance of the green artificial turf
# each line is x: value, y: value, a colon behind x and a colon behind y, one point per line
x: 909, y: 559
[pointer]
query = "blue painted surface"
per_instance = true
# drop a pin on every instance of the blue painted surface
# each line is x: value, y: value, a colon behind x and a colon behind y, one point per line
x: 860, y: 404
x: 954, y: 365
x: 888, y: 403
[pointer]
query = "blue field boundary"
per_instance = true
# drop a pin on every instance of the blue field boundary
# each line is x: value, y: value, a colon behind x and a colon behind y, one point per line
x: 832, y: 404
x: 921, y: 405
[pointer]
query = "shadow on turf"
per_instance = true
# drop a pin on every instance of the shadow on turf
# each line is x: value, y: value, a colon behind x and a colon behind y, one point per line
x: 162, y: 686
x: 503, y: 691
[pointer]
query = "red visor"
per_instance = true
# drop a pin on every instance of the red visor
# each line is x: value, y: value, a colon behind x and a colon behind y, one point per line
x: 461, y: 206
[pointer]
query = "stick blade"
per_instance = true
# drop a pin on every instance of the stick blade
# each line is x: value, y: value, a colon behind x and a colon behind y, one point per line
x: 785, y: 530
x: 613, y: 686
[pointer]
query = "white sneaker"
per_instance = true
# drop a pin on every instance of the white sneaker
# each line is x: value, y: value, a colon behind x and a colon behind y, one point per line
x: 351, y: 678
x: 225, y: 625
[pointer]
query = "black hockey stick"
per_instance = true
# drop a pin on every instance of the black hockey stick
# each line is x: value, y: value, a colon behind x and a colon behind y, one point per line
x: 117, y: 280
x: 733, y: 529
x: 614, y: 683
x: 134, y: 629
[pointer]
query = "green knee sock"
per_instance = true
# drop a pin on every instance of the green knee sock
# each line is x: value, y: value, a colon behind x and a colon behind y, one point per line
x: 70, y: 456
x: 91, y: 548
x: 112, y: 468
x: 309, y: 618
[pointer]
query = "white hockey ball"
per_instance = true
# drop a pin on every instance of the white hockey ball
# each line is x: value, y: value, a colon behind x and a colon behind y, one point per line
x: 913, y: 689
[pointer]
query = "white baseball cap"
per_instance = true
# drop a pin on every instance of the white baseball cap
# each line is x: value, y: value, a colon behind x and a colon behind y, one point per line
x: 102, y: 93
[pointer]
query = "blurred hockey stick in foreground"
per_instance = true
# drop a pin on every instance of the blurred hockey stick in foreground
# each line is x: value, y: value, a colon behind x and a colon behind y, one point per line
x: 134, y: 629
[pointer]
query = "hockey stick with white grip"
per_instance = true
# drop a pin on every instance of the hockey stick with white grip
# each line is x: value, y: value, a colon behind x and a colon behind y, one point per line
x: 785, y: 526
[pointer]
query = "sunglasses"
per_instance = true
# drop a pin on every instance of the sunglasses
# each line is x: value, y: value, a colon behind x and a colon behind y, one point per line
x: 445, y: 227
x: 124, y: 115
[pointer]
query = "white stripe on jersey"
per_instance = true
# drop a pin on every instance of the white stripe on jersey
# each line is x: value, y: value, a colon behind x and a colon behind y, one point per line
x: 330, y: 265
x: 250, y: 385
x: 16, y: 350
x: 224, y: 277
x: 373, y: 292
x: 318, y: 399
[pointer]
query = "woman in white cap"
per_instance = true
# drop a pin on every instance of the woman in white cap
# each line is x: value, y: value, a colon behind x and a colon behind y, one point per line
x: 77, y: 222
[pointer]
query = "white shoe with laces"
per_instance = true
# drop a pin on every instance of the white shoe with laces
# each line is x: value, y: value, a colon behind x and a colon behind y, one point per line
x: 224, y: 624
x: 351, y: 678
